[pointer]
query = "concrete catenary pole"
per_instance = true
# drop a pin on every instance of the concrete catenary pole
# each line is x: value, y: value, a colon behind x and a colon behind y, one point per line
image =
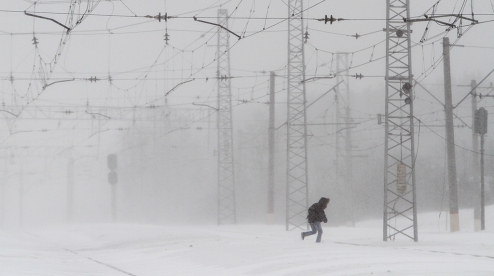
x: 21, y: 194
x: 450, y: 140
x: 481, y: 128
x: 482, y: 184
x: 270, y: 217
x: 349, y: 158
x: 475, y: 159
x: 70, y: 188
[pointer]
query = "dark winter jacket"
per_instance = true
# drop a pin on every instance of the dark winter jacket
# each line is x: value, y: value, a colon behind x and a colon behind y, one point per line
x: 316, y: 211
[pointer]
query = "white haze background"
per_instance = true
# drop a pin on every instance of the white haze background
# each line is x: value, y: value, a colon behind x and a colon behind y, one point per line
x: 167, y: 166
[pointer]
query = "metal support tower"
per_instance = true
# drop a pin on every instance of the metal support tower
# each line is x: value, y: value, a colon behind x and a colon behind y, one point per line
x: 226, y: 180
x: 297, y: 177
x: 343, y: 137
x: 400, y: 213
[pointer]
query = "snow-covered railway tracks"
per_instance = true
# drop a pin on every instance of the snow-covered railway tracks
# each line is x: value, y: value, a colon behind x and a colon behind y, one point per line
x: 51, y: 253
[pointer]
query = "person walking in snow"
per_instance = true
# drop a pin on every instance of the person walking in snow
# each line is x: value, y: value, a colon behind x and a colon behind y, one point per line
x: 315, y: 217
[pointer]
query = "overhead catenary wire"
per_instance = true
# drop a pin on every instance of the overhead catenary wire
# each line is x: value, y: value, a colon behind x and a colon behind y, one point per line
x: 469, y: 93
x: 147, y: 78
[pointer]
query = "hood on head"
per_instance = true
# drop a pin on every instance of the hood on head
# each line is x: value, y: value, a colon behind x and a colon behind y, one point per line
x: 324, y: 201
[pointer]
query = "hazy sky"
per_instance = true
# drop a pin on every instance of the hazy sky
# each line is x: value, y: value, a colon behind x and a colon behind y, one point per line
x: 115, y: 63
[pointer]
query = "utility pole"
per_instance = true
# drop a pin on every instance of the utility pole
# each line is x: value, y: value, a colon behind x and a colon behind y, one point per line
x: 482, y: 184
x: 450, y: 140
x: 114, y: 203
x: 112, y: 162
x: 226, y: 179
x: 349, y: 156
x: 480, y: 127
x: 400, y: 211
x: 475, y: 159
x: 70, y: 188
x: 297, y: 190
x: 21, y: 194
x: 6, y: 159
x: 270, y: 218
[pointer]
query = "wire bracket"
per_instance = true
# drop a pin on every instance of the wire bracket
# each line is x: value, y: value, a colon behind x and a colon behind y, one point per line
x: 215, y: 24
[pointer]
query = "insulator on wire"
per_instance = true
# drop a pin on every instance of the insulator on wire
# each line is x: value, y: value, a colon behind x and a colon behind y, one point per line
x: 330, y: 19
x: 167, y: 38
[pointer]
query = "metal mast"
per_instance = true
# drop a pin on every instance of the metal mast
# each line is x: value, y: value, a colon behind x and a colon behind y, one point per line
x: 343, y: 136
x: 400, y: 214
x: 226, y: 180
x: 297, y: 179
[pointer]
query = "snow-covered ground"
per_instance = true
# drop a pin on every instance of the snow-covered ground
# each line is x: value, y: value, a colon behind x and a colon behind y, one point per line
x: 124, y: 249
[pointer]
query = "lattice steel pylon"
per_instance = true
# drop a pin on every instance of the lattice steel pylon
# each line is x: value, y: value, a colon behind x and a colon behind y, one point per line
x: 226, y: 179
x: 343, y: 137
x: 297, y: 177
x: 400, y: 213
